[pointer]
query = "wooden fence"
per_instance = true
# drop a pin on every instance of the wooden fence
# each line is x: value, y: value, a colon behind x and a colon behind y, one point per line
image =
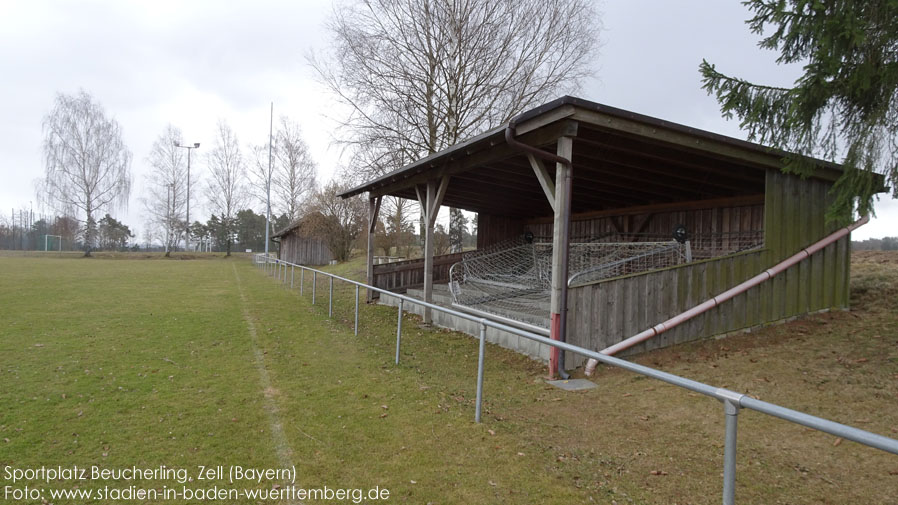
x: 607, y: 312
x: 400, y: 276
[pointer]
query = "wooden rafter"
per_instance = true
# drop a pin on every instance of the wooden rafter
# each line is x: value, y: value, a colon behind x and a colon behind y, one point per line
x: 545, y: 181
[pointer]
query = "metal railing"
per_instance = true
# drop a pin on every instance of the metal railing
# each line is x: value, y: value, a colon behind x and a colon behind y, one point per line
x: 732, y: 401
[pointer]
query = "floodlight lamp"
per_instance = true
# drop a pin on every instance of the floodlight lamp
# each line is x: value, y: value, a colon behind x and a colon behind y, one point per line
x: 196, y: 145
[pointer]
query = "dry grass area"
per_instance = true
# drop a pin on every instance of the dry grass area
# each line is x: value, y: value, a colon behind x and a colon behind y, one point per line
x: 145, y: 363
x: 637, y: 440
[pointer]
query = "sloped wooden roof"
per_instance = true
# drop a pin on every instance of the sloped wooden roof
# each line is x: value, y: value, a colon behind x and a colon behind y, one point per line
x: 620, y: 159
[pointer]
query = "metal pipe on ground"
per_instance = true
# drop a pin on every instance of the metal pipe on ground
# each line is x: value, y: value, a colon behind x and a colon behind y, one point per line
x: 726, y: 295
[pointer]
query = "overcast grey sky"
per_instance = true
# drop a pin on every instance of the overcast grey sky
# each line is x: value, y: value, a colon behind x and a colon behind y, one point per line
x: 191, y: 63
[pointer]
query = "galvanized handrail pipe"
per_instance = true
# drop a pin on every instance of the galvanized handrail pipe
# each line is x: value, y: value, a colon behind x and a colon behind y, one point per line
x: 480, y: 357
x: 732, y: 400
x: 824, y: 425
x: 356, y: 328
x: 399, y: 330
x: 330, y: 298
x: 731, y: 414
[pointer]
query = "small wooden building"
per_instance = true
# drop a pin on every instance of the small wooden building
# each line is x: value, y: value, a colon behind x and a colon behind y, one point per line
x: 631, y: 173
x: 300, y: 247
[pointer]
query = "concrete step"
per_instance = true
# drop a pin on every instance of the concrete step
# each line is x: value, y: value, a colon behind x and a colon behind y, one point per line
x: 505, y: 339
x: 444, y: 298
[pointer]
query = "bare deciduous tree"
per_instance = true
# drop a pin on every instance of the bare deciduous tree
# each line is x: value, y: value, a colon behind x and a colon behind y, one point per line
x: 294, y: 180
x: 225, y: 190
x: 337, y: 221
x: 166, y: 193
x: 399, y: 225
x: 292, y: 172
x: 421, y: 75
x: 88, y: 166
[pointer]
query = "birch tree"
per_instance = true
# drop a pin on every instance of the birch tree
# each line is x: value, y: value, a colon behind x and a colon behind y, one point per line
x: 292, y: 173
x: 225, y: 188
x: 87, y: 167
x: 165, y: 200
x: 421, y: 75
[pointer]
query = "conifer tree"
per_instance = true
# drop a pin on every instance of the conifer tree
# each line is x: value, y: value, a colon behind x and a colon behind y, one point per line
x: 845, y: 105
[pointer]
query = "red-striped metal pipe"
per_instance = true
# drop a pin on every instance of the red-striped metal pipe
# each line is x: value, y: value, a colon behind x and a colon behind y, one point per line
x: 726, y: 295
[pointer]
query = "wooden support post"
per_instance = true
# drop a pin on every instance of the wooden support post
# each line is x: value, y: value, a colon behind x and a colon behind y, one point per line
x: 373, y: 210
x: 560, y: 246
x: 428, y: 251
x: 430, y: 205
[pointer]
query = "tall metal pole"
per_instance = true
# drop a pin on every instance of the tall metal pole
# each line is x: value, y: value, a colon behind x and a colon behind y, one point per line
x: 268, y: 185
x: 187, y: 228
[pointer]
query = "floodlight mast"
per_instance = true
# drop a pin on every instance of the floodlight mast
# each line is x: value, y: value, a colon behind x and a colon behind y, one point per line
x: 268, y: 183
x: 196, y: 145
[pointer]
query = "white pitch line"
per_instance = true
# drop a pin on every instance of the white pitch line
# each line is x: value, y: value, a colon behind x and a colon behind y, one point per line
x: 281, y: 446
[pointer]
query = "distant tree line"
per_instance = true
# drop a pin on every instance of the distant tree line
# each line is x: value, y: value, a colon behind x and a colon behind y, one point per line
x: 23, y: 231
x: 876, y: 244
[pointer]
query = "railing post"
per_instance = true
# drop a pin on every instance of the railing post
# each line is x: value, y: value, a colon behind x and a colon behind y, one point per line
x: 302, y: 278
x: 292, y: 275
x: 357, y: 310
x: 314, y: 283
x: 477, y: 408
x: 330, y: 298
x: 731, y: 409
x: 399, y: 330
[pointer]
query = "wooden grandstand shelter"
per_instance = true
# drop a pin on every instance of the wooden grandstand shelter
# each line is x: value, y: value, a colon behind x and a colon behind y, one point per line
x: 573, y: 168
x: 299, y: 246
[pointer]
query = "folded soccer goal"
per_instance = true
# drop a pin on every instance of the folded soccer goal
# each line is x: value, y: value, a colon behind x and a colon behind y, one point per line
x: 514, y: 278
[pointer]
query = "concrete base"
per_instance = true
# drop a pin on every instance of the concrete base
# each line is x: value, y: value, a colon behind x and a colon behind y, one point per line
x: 572, y: 384
x: 504, y: 339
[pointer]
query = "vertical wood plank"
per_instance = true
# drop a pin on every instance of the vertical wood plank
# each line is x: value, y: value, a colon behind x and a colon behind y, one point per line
x: 615, y: 302
x: 829, y: 273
